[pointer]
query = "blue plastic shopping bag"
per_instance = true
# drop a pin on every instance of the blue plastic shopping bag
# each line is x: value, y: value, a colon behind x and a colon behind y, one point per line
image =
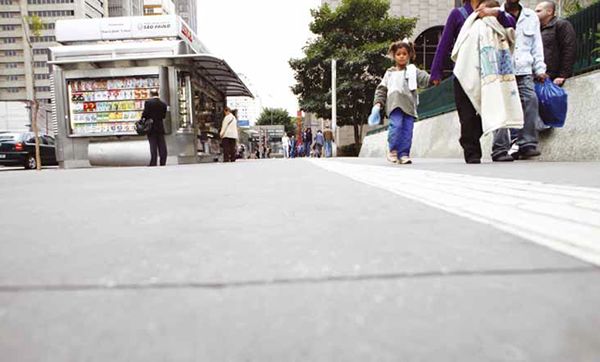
x: 553, y: 103
x: 375, y: 116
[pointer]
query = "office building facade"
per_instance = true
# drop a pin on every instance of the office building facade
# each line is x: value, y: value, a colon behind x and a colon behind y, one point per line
x: 20, y: 74
x: 187, y: 10
x: 159, y: 7
x: 118, y: 8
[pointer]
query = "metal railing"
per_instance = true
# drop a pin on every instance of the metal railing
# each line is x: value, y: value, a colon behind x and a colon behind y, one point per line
x: 587, y: 25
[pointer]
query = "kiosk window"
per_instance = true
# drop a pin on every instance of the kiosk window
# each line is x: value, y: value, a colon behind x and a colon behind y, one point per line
x: 108, y: 106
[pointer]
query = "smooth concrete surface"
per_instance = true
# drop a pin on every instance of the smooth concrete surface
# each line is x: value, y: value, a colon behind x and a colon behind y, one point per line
x: 437, y: 137
x: 274, y: 260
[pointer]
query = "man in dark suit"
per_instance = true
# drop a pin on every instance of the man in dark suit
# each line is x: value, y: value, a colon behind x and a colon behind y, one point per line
x: 156, y: 109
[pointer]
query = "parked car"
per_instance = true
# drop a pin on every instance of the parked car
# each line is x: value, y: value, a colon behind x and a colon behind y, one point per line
x: 18, y: 149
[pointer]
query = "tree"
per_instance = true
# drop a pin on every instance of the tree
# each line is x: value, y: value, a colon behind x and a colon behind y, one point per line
x: 357, y: 33
x: 277, y: 116
x: 570, y: 7
x: 32, y: 25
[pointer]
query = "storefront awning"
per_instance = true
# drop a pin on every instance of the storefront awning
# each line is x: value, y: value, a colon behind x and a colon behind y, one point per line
x: 221, y: 75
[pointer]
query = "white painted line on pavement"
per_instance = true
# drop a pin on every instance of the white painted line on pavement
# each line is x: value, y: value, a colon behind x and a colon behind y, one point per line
x: 563, y: 218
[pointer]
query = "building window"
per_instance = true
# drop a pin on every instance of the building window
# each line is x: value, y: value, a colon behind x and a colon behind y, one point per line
x: 9, y: 14
x: 40, y: 51
x: 13, y: 90
x: 43, y: 39
x: 12, y: 77
x: 42, y: 76
x: 9, y: 40
x: 45, y: 26
x: 42, y: 89
x: 9, y: 27
x: 52, y: 13
x: 12, y: 65
x: 36, y: 2
x: 11, y: 53
x: 40, y: 64
x: 425, y: 46
x: 6, y: 2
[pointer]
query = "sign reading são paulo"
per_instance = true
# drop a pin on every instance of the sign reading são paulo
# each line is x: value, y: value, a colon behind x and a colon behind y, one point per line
x: 123, y: 28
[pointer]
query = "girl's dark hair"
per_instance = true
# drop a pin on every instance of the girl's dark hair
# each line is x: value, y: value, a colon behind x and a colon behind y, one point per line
x: 490, y: 4
x: 478, y: 3
x: 401, y: 44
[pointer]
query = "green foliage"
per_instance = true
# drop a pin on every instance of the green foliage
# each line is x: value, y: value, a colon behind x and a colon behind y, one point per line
x: 277, y: 116
x: 35, y: 24
x: 357, y: 33
x: 571, y: 7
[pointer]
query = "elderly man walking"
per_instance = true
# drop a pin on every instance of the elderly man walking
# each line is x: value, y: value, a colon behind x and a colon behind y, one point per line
x: 529, y: 64
x: 560, y: 42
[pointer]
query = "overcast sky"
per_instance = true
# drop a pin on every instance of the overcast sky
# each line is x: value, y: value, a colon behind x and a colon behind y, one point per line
x: 257, y: 38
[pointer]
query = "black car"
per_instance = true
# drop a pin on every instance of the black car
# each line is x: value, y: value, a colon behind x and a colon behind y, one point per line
x: 18, y: 149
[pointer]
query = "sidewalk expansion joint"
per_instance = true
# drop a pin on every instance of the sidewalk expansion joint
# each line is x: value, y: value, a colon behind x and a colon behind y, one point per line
x: 293, y: 281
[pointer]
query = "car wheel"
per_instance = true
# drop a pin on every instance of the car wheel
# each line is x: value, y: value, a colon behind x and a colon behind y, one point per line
x: 30, y: 162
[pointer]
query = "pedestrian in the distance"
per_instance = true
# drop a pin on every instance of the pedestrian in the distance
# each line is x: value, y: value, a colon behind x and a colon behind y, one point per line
x: 293, y: 146
x: 156, y: 110
x: 308, y: 140
x: 229, y: 135
x: 560, y: 43
x: 328, y: 135
x: 319, y: 142
x: 285, y: 145
x: 397, y: 92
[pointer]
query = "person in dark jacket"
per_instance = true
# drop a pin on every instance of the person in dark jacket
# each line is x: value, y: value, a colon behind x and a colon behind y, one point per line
x: 308, y: 139
x: 560, y: 42
x: 156, y: 109
x: 470, y: 121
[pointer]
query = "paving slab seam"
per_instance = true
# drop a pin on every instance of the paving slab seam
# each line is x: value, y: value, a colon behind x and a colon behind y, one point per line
x: 296, y: 281
x: 568, y: 223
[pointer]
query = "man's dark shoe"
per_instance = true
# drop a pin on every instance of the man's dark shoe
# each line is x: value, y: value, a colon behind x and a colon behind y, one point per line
x: 505, y: 157
x: 526, y: 153
x: 473, y: 161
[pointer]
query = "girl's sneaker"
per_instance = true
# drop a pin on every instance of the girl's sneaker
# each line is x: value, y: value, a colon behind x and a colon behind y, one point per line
x: 392, y: 156
x: 405, y: 160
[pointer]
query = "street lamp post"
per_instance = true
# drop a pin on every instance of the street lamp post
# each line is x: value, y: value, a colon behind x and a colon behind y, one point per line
x: 333, y: 95
x: 334, y: 101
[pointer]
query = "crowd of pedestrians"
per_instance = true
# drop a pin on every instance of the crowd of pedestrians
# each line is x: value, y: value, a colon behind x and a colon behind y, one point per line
x: 499, y: 52
x: 308, y: 145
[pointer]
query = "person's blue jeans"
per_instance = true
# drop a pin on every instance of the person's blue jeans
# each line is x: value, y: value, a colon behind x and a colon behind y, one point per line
x: 328, y: 149
x: 528, y: 135
x: 400, y: 132
x: 307, y: 149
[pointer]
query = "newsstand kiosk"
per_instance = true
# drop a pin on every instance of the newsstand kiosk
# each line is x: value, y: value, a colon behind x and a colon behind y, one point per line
x: 103, y: 73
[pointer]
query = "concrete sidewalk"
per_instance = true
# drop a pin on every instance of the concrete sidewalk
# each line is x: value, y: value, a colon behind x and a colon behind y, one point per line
x: 277, y: 260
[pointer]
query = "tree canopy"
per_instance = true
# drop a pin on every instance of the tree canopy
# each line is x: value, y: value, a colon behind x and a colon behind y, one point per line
x: 357, y: 33
x: 277, y: 116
